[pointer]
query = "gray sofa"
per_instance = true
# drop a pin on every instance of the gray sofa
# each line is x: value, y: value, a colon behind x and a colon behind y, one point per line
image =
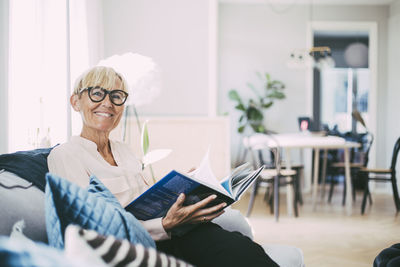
x: 21, y: 200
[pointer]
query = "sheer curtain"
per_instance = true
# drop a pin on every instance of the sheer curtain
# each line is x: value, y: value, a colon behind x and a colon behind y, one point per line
x: 38, y: 102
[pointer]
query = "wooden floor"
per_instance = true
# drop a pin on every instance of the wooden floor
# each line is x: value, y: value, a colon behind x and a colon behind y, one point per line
x: 327, y: 236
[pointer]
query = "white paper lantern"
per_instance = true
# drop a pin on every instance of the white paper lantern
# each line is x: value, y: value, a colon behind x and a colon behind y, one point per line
x: 141, y: 73
x: 356, y: 55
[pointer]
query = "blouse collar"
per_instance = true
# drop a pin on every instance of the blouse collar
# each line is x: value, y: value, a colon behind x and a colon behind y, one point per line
x: 83, y: 141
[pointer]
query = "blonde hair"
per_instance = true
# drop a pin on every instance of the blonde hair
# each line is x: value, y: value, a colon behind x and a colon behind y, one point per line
x: 99, y: 76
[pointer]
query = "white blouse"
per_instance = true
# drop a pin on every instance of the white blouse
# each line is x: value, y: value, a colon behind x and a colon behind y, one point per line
x: 77, y: 159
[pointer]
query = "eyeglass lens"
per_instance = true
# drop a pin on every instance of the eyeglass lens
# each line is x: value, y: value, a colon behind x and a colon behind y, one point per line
x: 117, y: 97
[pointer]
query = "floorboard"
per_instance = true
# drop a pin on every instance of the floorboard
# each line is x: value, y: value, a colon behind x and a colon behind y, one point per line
x: 327, y: 236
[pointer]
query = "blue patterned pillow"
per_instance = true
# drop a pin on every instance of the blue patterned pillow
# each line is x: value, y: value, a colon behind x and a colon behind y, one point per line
x: 94, y: 208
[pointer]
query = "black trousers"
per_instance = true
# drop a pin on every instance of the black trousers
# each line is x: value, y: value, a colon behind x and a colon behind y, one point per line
x: 210, y: 245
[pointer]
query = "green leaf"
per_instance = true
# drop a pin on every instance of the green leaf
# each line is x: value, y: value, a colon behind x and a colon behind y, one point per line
x: 241, y: 118
x: 233, y: 95
x: 241, y: 129
x: 268, y: 77
x: 277, y: 95
x: 240, y: 107
x: 145, y: 139
x: 254, y: 114
x: 267, y: 105
x: 278, y: 85
x: 260, y: 129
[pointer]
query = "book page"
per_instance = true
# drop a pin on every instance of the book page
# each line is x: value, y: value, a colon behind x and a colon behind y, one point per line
x: 237, y: 177
x: 243, y: 185
x: 204, y: 172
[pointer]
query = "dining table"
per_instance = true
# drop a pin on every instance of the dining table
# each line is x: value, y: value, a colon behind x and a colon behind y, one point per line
x: 304, y: 140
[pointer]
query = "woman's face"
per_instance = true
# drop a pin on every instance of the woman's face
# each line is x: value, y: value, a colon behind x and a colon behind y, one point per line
x: 102, y: 116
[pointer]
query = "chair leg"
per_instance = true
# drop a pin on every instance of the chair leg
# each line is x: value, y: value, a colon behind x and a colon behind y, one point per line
x: 331, y: 189
x: 297, y: 189
x: 271, y: 202
x: 344, y: 194
x: 366, y: 193
x: 395, y: 193
x: 276, y: 197
x: 252, y: 198
x: 300, y: 195
x: 296, y: 199
x: 267, y: 194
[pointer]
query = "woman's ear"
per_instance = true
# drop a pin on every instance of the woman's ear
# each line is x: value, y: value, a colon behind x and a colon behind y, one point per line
x: 74, y: 99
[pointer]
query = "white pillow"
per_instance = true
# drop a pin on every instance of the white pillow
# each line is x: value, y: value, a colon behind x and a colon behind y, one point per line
x: 232, y: 220
x: 88, y: 245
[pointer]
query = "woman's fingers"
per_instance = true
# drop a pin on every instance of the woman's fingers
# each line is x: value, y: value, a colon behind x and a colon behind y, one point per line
x: 180, y: 200
x: 214, y: 215
x: 208, y: 217
x: 179, y: 214
x: 211, y: 210
x: 202, y: 203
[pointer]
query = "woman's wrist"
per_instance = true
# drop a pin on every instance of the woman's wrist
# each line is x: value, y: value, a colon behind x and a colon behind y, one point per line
x: 166, y: 224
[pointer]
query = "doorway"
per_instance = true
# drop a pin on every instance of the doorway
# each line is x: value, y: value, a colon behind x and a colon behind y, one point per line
x: 342, y: 89
x: 351, y: 85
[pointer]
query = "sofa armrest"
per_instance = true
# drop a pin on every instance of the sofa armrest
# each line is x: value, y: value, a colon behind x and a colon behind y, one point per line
x: 20, y: 200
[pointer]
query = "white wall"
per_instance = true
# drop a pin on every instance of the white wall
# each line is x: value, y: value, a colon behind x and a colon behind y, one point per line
x: 252, y: 37
x: 3, y: 76
x: 393, y: 96
x: 200, y: 134
x: 175, y: 34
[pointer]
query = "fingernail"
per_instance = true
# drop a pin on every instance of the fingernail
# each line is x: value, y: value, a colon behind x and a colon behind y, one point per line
x: 214, y: 196
x: 224, y: 204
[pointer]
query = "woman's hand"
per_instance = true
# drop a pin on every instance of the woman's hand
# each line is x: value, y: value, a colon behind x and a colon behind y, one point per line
x: 196, y: 213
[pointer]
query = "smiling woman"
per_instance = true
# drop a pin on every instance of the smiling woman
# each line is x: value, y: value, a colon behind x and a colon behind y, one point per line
x: 115, y: 165
x: 100, y: 114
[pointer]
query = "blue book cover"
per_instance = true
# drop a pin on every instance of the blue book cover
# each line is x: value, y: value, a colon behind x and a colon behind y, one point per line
x: 156, y: 201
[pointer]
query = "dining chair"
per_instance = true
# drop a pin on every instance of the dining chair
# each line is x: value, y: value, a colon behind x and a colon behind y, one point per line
x: 382, y: 175
x: 271, y: 177
x: 358, y: 160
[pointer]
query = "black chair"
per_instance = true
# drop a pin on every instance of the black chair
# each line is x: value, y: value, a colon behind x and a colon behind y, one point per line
x: 382, y: 175
x: 358, y: 160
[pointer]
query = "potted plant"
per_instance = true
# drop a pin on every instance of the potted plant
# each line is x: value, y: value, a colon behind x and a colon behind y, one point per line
x: 252, y: 110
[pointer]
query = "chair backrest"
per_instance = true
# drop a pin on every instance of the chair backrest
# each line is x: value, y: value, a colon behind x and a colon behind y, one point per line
x: 366, y: 143
x: 395, y: 155
x: 360, y: 155
x: 263, y: 142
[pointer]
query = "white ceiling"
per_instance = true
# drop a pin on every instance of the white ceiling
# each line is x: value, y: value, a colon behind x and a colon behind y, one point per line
x: 314, y: 2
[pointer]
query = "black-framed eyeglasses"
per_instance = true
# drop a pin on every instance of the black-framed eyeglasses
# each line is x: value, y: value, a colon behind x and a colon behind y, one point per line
x: 97, y: 94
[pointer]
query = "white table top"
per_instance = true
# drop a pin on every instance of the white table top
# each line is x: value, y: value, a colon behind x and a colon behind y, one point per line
x: 297, y: 140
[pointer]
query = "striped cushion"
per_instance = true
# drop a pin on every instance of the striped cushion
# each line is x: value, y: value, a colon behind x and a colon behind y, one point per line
x: 114, y: 252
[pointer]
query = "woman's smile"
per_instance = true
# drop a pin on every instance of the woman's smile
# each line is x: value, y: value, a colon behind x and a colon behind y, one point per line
x: 103, y: 114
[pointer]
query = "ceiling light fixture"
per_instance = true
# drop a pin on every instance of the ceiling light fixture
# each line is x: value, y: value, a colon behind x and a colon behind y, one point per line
x: 319, y: 57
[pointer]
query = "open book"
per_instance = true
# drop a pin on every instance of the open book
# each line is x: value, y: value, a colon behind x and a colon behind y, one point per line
x: 197, y: 185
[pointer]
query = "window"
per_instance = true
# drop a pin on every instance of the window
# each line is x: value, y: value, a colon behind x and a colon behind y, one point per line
x: 343, y: 90
x: 38, y: 93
